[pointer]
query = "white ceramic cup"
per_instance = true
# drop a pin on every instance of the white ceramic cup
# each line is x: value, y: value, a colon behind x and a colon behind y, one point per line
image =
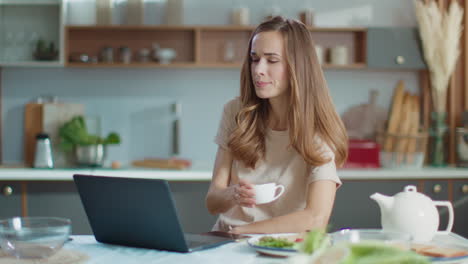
x: 339, y: 55
x: 265, y: 193
x: 320, y: 54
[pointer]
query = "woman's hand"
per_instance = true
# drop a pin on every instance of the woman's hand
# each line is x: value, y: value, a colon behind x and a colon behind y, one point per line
x: 243, y: 194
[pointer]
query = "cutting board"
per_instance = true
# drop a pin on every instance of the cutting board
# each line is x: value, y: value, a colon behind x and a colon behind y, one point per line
x: 47, y: 118
x: 364, y: 120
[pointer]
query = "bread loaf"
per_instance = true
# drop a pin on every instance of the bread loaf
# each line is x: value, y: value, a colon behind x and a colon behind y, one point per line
x: 439, y: 252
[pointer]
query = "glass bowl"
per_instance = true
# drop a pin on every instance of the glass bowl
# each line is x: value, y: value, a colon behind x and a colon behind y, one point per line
x: 397, y: 239
x: 33, y: 237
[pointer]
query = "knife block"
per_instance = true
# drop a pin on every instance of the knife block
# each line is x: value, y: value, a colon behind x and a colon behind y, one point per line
x: 47, y: 118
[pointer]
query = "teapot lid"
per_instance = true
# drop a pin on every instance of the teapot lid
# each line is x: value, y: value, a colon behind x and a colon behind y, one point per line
x: 410, y: 188
x: 410, y: 191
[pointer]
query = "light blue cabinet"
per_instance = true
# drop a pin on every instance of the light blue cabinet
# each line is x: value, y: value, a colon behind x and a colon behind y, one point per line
x: 10, y: 199
x: 394, y: 49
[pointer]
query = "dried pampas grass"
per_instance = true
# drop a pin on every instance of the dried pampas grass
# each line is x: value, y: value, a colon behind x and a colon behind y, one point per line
x: 440, y: 33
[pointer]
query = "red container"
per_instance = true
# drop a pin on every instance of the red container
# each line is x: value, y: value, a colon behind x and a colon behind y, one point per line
x: 363, y: 154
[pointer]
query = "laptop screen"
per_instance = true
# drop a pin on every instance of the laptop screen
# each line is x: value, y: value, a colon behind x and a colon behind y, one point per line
x: 131, y: 211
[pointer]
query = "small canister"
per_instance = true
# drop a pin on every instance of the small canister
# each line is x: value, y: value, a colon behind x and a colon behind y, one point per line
x: 43, y: 157
x: 125, y: 54
x: 339, y: 55
x: 107, y: 55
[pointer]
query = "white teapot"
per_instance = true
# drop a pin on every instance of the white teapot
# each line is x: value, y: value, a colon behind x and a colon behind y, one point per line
x: 413, y: 213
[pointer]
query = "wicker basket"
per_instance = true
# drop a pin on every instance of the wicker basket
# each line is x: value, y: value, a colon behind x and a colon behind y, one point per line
x: 402, y: 151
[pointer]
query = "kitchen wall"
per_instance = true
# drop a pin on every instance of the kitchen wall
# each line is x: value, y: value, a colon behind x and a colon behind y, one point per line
x: 136, y: 102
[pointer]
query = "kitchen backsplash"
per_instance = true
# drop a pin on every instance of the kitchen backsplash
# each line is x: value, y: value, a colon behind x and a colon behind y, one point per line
x: 136, y: 102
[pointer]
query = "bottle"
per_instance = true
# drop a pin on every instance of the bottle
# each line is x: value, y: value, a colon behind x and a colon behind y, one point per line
x: 104, y: 12
x: 307, y: 16
x: 135, y: 12
x: 175, y: 12
x: 43, y: 157
x: 240, y: 16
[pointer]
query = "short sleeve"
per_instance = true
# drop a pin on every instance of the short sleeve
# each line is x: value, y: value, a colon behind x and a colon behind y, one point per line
x: 326, y: 171
x: 227, y: 123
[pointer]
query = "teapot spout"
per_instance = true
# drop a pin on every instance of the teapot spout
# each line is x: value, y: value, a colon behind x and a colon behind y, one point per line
x: 385, y: 202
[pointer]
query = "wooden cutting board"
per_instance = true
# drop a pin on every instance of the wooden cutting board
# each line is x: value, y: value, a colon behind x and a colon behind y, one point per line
x: 363, y: 121
x: 47, y: 118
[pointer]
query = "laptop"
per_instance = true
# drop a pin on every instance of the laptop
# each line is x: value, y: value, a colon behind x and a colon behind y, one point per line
x: 138, y: 213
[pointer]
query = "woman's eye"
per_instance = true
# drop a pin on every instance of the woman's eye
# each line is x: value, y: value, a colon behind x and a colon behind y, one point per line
x: 272, y: 61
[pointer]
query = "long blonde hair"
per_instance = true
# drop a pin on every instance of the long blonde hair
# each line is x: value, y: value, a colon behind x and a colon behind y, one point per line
x: 311, y: 113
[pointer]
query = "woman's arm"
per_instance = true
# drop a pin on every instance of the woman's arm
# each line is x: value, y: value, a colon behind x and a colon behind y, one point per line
x: 320, y: 199
x: 221, y: 196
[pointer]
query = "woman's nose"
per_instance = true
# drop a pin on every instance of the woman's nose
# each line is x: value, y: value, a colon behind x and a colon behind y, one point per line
x: 260, y: 68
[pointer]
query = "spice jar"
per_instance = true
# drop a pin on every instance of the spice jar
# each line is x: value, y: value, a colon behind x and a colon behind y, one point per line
x: 107, y: 54
x: 125, y: 54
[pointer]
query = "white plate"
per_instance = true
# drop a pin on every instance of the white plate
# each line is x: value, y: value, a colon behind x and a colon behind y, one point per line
x: 271, y: 251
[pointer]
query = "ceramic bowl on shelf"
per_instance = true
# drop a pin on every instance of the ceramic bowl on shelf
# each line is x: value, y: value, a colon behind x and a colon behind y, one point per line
x: 165, y: 55
x: 33, y: 237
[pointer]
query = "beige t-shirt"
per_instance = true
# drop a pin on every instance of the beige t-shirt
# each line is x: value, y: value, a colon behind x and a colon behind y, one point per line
x: 282, y: 165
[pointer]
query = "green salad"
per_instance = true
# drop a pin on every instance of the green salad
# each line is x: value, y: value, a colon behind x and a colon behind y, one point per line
x: 276, y: 242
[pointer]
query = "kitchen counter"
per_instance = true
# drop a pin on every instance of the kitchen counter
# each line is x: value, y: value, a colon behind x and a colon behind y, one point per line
x: 204, y: 174
x: 238, y: 252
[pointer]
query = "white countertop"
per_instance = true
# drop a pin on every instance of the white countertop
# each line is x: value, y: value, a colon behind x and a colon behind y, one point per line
x: 30, y: 174
x: 238, y: 252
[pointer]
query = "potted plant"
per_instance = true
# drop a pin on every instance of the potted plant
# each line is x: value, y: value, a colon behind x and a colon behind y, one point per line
x: 89, y: 150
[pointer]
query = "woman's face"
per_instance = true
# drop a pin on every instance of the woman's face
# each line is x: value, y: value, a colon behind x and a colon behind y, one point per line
x: 268, y: 65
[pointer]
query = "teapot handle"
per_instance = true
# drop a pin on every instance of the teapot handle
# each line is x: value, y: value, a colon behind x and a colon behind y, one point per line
x: 450, y: 221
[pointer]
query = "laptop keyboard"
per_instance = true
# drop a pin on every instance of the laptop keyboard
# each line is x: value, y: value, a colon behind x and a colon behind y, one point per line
x: 194, y: 240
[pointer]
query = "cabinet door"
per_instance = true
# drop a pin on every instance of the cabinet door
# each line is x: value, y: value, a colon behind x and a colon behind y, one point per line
x: 394, y: 48
x: 438, y: 191
x: 59, y: 199
x: 460, y: 204
x: 10, y: 199
x: 353, y: 207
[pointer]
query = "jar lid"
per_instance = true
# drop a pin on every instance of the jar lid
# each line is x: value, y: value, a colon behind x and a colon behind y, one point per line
x: 42, y: 136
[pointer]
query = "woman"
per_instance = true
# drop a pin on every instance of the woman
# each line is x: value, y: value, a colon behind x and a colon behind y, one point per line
x: 284, y: 129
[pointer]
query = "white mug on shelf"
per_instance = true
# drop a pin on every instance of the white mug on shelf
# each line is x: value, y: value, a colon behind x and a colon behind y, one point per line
x: 266, y: 193
x: 339, y: 55
x: 320, y: 54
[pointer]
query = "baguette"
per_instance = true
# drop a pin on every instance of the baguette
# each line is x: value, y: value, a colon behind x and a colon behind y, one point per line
x: 395, y: 113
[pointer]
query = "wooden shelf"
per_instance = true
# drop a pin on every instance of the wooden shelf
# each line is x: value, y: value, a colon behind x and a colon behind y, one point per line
x: 45, y: 64
x: 193, y: 65
x: 30, y: 2
x: 130, y: 65
x: 355, y: 66
x: 196, y: 46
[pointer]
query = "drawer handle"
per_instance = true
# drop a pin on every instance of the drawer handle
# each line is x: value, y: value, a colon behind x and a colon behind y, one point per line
x: 400, y: 60
x: 7, y: 190
x: 437, y: 188
x: 464, y: 188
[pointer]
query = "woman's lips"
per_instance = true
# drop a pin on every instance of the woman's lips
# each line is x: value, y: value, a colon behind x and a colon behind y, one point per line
x: 261, y: 84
